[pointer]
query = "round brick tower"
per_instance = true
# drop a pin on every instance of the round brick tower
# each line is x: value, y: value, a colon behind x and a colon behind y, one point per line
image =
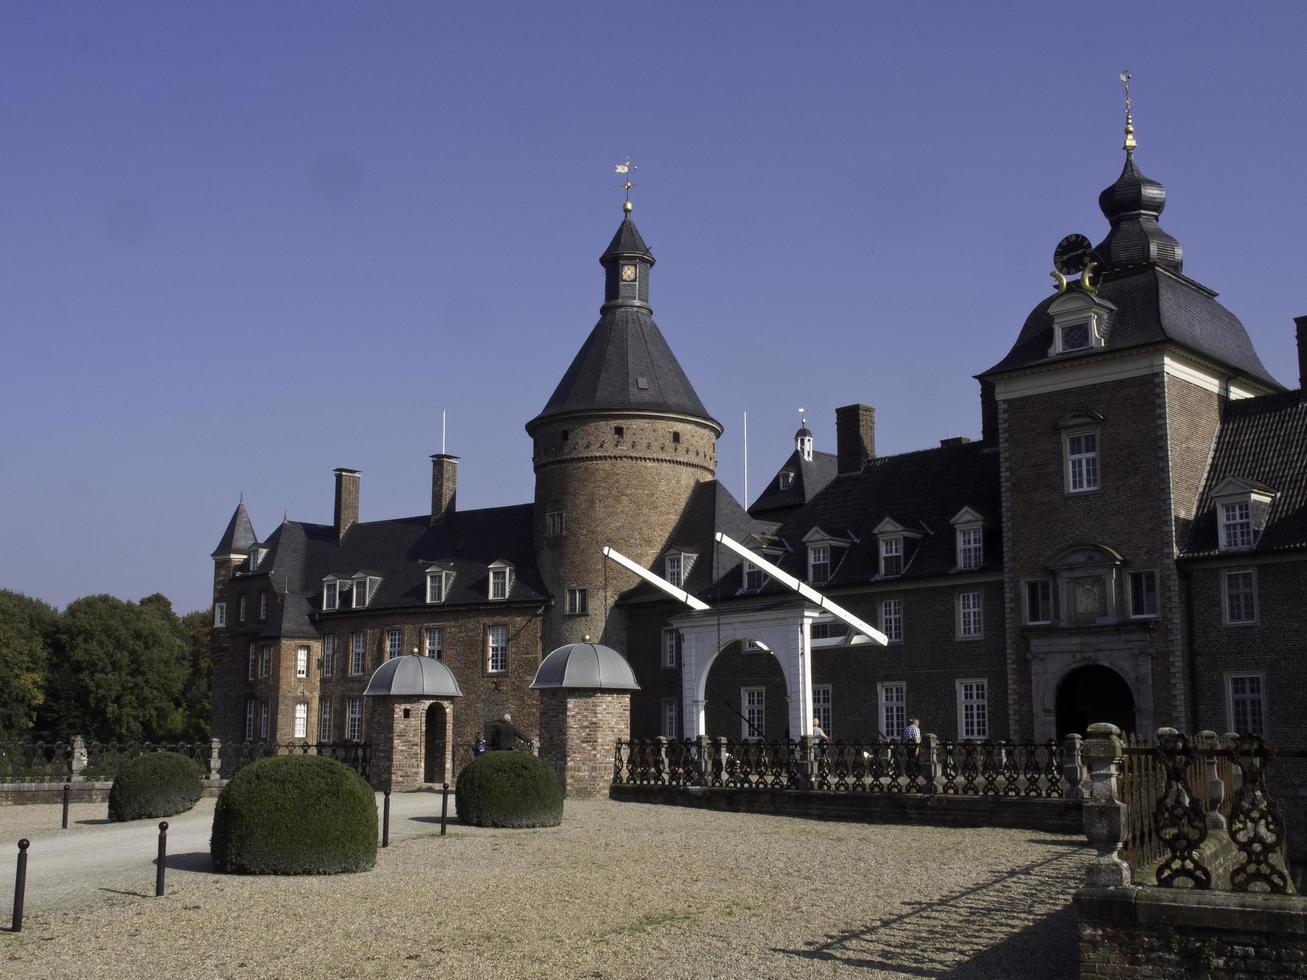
x: 617, y: 451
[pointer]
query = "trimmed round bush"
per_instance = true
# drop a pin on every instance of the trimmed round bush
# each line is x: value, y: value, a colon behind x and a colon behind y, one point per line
x: 509, y: 789
x: 295, y: 815
x: 157, y: 784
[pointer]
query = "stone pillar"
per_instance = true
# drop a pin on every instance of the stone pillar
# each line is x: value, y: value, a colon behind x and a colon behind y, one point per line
x: 579, y: 730
x: 398, y: 734
x: 1104, y: 813
x: 78, y: 761
x: 215, y: 758
x: 1073, y: 772
x: 931, y: 764
x: 1210, y: 743
x: 807, y: 760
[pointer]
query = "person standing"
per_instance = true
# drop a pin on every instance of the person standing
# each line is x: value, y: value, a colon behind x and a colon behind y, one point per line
x: 912, y: 731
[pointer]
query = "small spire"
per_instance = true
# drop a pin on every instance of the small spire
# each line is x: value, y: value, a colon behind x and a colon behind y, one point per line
x: 1129, y: 144
x: 626, y: 168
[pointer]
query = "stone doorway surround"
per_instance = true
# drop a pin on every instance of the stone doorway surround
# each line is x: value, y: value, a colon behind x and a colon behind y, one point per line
x: 784, y: 629
x: 1055, y: 655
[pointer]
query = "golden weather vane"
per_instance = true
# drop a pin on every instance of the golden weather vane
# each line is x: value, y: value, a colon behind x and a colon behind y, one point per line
x: 626, y: 168
x: 1129, y: 112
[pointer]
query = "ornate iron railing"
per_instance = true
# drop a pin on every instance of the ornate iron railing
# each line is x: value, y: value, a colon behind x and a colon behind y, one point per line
x: 234, y: 755
x: 105, y: 759
x: 955, y: 768
x: 35, y: 762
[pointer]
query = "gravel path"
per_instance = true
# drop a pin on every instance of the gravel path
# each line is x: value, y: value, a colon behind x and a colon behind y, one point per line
x: 619, y: 890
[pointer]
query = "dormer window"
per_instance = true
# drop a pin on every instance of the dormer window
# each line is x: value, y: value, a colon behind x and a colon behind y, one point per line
x: 676, y: 567
x: 437, y: 584
x: 785, y: 480
x: 819, y: 564
x: 753, y: 577
x: 969, y: 527
x: 1075, y: 336
x: 1242, y: 509
x: 501, y: 580
x: 1079, y: 322
x: 891, y: 555
x: 364, y: 588
x: 330, y: 595
x: 256, y: 556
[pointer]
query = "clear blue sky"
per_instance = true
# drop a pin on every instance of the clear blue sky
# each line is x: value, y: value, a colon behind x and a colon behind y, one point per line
x: 242, y: 244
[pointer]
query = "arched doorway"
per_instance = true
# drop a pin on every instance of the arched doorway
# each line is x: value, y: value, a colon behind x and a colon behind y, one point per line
x: 746, y: 696
x: 434, y: 736
x: 1091, y: 694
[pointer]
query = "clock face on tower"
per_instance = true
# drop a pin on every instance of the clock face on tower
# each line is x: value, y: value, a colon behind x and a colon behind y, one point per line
x: 1072, y: 254
x: 628, y: 272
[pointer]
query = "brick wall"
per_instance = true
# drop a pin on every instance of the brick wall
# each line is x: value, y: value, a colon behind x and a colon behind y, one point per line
x: 578, y: 731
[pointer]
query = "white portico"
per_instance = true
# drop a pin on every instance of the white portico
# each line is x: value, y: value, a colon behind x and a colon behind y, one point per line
x: 783, y: 630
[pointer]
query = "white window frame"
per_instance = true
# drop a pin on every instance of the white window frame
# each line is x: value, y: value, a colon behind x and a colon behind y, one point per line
x: 676, y: 567
x: 497, y: 653
x: 1047, y: 599
x: 501, y: 583
x: 265, y: 660
x: 1091, y: 335
x: 249, y: 719
x: 301, y: 661
x: 671, y: 647
x: 219, y: 615
x: 254, y: 659
x: 578, y: 601
x: 671, y: 718
x: 971, y: 547
x: 1225, y: 596
x: 264, y: 715
x: 891, y: 619
x: 980, y: 723
x: 819, y: 557
x: 354, y: 719
x: 433, y: 642
x: 437, y: 586
x: 330, y: 596
x: 358, y: 649
x: 301, y: 719
x: 360, y: 596
x: 892, y: 705
x: 1231, y: 700
x: 328, y: 655
x: 555, y: 524
x: 891, y: 546
x: 753, y: 577
x: 822, y: 708
x: 1079, y: 478
x: 967, y: 611
x: 1141, y: 575
x: 325, y: 719
x: 241, y: 608
x: 784, y: 480
x: 754, y: 715
x: 1236, y: 525
x: 394, y: 643
x: 263, y: 606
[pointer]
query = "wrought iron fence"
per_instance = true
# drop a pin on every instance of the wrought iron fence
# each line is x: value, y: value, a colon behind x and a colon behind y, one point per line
x: 233, y: 755
x: 104, y: 759
x: 1180, y: 789
x: 958, y: 768
x: 35, y: 762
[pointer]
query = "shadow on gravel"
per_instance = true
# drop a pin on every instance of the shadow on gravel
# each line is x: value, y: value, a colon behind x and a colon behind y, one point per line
x: 999, y: 928
x: 191, y: 861
x: 93, y: 823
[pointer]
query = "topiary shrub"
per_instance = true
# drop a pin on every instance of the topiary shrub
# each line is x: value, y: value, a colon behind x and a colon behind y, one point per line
x: 509, y: 789
x: 295, y: 815
x: 158, y: 784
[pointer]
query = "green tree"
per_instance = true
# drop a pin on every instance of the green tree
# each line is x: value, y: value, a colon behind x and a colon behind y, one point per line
x: 196, y: 627
x: 27, y: 629
x: 122, y: 672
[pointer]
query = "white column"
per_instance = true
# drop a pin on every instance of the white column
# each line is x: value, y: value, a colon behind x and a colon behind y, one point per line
x: 797, y: 662
x: 693, y: 722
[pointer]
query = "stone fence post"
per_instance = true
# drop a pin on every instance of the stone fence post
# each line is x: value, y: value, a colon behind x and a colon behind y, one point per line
x: 1073, y: 772
x: 1210, y: 743
x: 215, y: 758
x: 664, y: 774
x: 1104, y: 813
x: 78, y: 762
x: 705, y: 760
x: 931, y: 764
x: 807, y: 761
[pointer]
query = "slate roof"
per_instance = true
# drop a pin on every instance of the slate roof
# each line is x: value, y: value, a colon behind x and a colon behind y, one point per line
x: 1153, y: 305
x: 399, y: 552
x: 1261, y: 440
x: 920, y: 490
x: 239, y: 534
x: 627, y: 241
x: 810, y: 478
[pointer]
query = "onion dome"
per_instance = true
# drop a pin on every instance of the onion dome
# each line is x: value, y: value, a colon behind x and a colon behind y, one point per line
x: 413, y: 676
x: 1132, y: 206
x: 588, y: 666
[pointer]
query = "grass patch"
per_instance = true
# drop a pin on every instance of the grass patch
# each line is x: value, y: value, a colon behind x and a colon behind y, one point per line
x: 647, y: 923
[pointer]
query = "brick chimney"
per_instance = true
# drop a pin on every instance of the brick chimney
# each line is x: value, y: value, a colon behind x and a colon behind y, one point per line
x: 347, y: 500
x: 1301, y: 321
x: 444, y: 486
x: 988, y: 414
x: 855, y: 436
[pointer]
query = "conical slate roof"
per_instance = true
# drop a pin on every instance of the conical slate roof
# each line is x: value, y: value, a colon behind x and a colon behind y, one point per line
x: 239, y: 534
x: 625, y: 365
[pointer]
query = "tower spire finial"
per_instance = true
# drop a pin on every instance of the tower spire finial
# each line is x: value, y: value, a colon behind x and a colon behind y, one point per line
x: 626, y: 168
x: 1129, y: 144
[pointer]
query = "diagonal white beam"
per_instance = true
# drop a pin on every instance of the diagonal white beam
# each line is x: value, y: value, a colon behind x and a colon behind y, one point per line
x: 805, y: 590
x: 654, y: 580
